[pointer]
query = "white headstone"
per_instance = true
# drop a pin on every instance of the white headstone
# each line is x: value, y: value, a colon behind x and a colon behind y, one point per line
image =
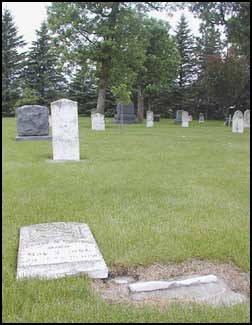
x: 190, y: 118
x: 201, y: 118
x: 98, y: 122
x: 237, y: 122
x: 54, y: 250
x: 149, y: 119
x: 247, y: 118
x: 185, y: 119
x: 65, y: 130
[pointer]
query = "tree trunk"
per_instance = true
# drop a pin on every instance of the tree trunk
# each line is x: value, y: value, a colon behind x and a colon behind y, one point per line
x: 140, y: 102
x: 106, y: 61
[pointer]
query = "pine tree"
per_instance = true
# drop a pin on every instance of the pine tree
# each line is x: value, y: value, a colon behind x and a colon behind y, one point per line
x: 43, y: 73
x: 12, y: 62
x: 185, y: 46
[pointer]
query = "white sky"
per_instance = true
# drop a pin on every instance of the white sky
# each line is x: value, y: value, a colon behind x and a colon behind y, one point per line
x: 28, y: 17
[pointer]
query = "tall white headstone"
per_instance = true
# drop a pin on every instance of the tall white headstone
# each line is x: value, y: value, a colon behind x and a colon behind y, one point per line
x: 185, y: 119
x: 65, y: 130
x: 247, y: 118
x: 98, y: 122
x: 149, y: 119
x: 237, y: 122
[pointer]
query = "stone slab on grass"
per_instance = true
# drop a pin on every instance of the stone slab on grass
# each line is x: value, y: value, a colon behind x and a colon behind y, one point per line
x: 54, y: 250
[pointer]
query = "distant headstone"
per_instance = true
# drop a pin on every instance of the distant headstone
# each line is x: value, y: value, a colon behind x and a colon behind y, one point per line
x: 185, y: 119
x: 247, y: 119
x: 32, y: 123
x: 228, y: 120
x: 125, y: 113
x: 237, y: 122
x: 149, y: 119
x: 190, y: 118
x: 201, y: 118
x: 98, y: 122
x: 59, y: 249
x: 156, y: 118
x: 65, y: 130
x: 178, y: 119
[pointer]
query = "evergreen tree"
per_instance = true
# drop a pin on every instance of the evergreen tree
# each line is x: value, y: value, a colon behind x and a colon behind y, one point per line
x: 43, y: 73
x: 12, y: 63
x: 185, y: 46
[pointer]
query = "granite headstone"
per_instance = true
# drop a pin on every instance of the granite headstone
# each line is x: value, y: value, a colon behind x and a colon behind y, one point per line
x: 32, y: 123
x: 149, y: 119
x: 125, y: 113
x: 247, y: 119
x: 98, y: 122
x: 185, y: 119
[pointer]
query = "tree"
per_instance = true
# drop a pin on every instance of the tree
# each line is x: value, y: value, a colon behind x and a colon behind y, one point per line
x: 234, y: 16
x: 29, y: 97
x: 160, y: 64
x: 104, y: 33
x: 43, y: 73
x: 12, y: 63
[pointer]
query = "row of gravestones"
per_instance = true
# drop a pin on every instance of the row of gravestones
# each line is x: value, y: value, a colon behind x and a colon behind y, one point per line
x: 183, y: 118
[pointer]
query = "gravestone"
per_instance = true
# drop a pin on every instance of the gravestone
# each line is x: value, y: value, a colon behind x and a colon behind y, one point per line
x: 65, y: 130
x: 149, y: 119
x: 50, y: 121
x: 59, y: 249
x: 125, y: 113
x: 156, y: 118
x: 98, y: 122
x: 185, y: 119
x: 190, y: 118
x: 178, y: 119
x: 201, y: 118
x: 237, y: 122
x: 228, y: 120
x: 247, y: 119
x: 32, y: 123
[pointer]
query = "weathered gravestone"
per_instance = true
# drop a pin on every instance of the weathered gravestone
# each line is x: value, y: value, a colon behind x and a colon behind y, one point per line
x: 178, y: 119
x: 201, y: 118
x: 237, y: 122
x: 190, y: 118
x: 149, y: 119
x: 98, y: 122
x: 58, y: 249
x: 32, y: 123
x: 65, y: 130
x: 185, y: 119
x: 247, y: 118
x: 125, y: 113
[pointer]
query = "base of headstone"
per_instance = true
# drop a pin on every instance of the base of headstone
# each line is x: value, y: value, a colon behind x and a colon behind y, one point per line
x: 65, y: 161
x: 34, y: 138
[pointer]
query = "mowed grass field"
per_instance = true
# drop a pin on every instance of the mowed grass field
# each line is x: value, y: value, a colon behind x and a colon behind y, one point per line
x: 148, y: 195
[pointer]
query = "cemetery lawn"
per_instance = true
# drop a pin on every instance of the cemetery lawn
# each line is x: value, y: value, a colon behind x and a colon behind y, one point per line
x: 148, y: 195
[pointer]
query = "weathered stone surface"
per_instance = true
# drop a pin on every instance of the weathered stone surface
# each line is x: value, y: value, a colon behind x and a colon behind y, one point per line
x: 32, y: 120
x: 125, y: 113
x: 185, y: 119
x: 65, y: 130
x: 237, y: 122
x: 34, y: 138
x: 178, y: 119
x: 149, y: 119
x: 214, y: 293
x: 98, y: 122
x: 247, y: 118
x: 59, y: 249
x: 123, y: 280
x: 159, y: 285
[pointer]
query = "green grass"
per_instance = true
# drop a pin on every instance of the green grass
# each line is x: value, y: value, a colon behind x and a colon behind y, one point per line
x: 149, y: 195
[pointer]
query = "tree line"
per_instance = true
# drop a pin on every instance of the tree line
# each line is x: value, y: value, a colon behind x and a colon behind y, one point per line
x: 102, y: 53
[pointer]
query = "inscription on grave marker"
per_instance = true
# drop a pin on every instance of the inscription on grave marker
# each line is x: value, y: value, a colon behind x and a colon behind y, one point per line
x: 59, y: 249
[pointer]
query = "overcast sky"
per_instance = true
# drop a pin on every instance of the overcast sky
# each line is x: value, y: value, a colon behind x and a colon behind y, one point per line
x: 29, y: 15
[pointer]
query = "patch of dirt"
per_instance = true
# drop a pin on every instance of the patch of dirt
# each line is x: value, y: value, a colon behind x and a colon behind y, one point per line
x: 237, y: 280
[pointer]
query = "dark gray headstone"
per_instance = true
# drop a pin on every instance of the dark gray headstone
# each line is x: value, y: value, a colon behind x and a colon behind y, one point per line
x: 32, y: 120
x: 125, y: 113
